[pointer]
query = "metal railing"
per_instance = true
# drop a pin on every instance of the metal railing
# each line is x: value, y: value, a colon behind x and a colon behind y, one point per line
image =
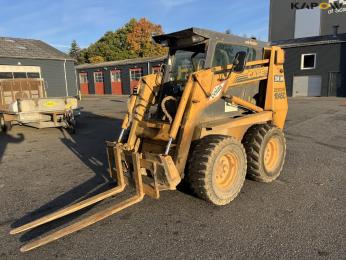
x: 14, y: 89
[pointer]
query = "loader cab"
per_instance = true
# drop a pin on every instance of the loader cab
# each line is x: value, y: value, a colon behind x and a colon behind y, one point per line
x: 194, y: 49
x: 183, y: 62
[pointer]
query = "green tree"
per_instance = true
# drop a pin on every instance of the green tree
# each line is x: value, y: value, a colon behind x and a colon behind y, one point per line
x: 96, y: 59
x: 133, y: 40
x: 75, y: 52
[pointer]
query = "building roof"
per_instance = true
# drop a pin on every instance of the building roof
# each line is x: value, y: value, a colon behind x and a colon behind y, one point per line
x: 310, y: 41
x: 120, y: 62
x: 29, y: 49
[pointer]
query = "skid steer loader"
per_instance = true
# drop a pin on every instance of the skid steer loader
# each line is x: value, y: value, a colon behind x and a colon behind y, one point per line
x: 213, y: 115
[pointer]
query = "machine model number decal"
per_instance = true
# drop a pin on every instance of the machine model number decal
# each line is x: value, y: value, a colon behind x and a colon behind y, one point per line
x: 279, y: 78
x: 279, y: 93
x: 217, y: 90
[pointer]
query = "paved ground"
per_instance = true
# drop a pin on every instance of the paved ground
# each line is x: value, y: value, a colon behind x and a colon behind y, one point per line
x: 301, y: 215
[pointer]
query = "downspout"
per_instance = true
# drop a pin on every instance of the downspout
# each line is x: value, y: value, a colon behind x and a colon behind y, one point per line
x: 65, y: 78
x: 77, y: 86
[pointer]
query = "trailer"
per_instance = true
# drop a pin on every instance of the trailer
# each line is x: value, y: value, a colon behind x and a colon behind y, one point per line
x: 25, y: 102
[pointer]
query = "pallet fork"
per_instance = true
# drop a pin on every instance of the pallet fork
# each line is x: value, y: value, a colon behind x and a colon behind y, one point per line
x: 114, y: 151
x: 124, y: 160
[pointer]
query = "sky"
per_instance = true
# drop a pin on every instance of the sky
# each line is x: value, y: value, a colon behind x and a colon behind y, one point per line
x: 60, y: 22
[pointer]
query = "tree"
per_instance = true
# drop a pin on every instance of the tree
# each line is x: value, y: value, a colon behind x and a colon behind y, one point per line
x: 75, y: 52
x: 133, y: 40
x: 140, y: 39
x: 228, y: 31
x: 96, y: 59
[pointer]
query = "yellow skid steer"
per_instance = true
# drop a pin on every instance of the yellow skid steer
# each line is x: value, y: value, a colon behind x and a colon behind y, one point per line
x: 213, y: 115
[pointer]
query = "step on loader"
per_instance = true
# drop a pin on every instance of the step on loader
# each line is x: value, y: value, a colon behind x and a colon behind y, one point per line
x: 214, y: 114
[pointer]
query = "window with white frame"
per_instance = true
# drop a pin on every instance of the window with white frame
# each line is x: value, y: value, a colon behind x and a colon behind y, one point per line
x: 135, y: 74
x: 83, y: 78
x: 308, y: 61
x: 116, y: 76
x: 98, y: 77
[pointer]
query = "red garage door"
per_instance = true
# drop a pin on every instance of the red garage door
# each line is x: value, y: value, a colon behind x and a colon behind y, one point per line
x: 135, y: 75
x: 99, y: 85
x: 83, y: 83
x: 116, y: 82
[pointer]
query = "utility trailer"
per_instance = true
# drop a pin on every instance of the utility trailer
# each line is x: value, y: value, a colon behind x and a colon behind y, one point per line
x: 25, y: 102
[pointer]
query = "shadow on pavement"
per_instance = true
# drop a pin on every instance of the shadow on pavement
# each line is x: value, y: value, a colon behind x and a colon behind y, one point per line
x: 88, y: 144
x: 5, y: 139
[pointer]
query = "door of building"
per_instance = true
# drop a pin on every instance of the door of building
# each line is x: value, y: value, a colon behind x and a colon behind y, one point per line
x: 116, y: 82
x: 83, y: 83
x: 307, y: 86
x: 334, y: 84
x: 99, y: 83
x: 135, y: 75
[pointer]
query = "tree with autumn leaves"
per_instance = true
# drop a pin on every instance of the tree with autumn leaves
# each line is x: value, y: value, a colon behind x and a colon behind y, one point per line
x: 133, y: 40
x: 140, y: 39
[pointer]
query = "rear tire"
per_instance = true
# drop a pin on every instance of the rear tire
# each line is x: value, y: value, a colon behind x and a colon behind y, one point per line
x: 266, y: 150
x: 216, y: 169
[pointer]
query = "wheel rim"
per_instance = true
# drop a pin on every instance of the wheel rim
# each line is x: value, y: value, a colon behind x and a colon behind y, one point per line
x: 226, y: 171
x: 272, y: 154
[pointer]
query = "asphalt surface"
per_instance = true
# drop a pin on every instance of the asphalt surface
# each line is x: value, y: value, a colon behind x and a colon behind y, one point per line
x: 302, y: 215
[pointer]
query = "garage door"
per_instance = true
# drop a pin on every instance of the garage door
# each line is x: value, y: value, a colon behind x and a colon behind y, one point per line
x: 304, y: 86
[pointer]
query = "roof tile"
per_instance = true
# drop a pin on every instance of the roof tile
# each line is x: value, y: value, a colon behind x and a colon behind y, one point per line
x: 28, y: 48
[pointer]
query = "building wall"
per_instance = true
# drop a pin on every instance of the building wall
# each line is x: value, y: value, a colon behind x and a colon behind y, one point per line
x: 281, y: 29
x: 52, y: 71
x: 343, y: 69
x: 327, y: 60
x: 125, y: 75
x: 283, y: 18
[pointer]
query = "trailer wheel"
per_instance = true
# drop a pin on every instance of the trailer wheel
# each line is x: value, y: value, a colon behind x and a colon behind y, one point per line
x: 266, y: 150
x: 5, y: 126
x: 71, y: 123
x: 217, y: 169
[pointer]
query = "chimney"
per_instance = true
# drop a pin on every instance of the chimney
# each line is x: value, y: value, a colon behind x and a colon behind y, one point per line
x: 336, y: 29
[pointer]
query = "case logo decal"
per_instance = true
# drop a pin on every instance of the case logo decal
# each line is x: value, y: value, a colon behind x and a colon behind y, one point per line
x: 217, y: 90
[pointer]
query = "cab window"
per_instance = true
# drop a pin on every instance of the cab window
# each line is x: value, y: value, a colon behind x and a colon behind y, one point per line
x: 225, y: 54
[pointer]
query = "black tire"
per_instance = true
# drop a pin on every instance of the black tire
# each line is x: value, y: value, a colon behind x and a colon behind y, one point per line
x: 203, y: 165
x: 71, y: 123
x: 73, y: 126
x: 264, y: 166
x: 5, y: 126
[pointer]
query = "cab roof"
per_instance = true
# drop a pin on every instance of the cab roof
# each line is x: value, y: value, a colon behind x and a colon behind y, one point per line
x: 205, y: 34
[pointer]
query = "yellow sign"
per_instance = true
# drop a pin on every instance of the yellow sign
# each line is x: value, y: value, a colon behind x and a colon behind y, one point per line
x: 50, y: 103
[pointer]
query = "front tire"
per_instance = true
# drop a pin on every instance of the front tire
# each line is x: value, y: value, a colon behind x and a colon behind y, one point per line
x: 217, y: 169
x: 266, y: 150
